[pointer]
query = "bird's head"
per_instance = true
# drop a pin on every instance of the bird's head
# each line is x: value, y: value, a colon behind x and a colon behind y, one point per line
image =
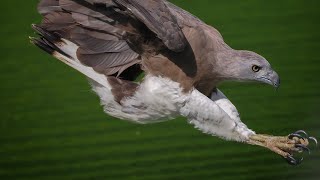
x: 240, y: 65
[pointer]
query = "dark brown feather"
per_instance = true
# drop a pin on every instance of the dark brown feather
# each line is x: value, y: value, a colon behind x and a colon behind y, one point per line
x: 123, y: 37
x: 158, y: 18
x: 122, y: 88
x: 86, y: 23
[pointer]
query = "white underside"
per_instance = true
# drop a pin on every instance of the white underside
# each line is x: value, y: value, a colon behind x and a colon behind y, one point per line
x: 160, y: 99
x: 156, y: 100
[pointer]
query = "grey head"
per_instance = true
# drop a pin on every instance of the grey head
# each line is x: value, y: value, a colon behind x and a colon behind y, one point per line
x: 241, y: 65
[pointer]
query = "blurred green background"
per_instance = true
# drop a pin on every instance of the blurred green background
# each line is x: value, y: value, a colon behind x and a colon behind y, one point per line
x: 52, y: 126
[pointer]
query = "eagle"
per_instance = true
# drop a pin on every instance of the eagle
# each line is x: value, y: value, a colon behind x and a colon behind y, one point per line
x: 183, y: 60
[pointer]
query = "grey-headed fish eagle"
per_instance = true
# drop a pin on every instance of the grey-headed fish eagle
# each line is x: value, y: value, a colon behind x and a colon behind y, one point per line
x: 113, y: 41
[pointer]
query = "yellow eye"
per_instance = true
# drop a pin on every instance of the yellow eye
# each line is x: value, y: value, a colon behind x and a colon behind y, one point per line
x: 256, y: 68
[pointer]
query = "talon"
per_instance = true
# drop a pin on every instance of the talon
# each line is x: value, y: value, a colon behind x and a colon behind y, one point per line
x: 303, y: 147
x: 289, y: 147
x: 292, y: 161
x: 313, y: 139
x: 291, y: 136
x: 301, y: 132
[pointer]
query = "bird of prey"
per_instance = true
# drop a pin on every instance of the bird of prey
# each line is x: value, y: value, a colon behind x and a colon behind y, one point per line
x: 184, y: 60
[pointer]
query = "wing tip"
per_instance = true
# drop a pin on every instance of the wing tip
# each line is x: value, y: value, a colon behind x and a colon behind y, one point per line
x: 46, y: 34
x: 39, y: 42
x: 47, y: 41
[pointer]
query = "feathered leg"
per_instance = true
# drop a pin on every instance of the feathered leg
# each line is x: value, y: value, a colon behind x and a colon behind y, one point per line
x: 219, y: 117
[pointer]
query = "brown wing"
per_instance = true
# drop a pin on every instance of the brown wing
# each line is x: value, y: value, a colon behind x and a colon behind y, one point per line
x: 111, y: 33
x: 157, y: 17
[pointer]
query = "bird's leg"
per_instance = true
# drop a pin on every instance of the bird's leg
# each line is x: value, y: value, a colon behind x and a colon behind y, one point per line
x: 285, y: 146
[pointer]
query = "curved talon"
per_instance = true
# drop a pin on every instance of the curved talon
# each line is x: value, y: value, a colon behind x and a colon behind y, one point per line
x: 303, y: 147
x: 292, y: 161
x: 301, y: 132
x: 292, y: 135
x: 313, y: 139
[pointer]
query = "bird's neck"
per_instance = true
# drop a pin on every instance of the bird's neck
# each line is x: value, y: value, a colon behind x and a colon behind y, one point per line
x: 226, y: 66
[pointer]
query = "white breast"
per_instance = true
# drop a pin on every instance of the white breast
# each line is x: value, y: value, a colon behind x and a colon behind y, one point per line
x: 156, y: 99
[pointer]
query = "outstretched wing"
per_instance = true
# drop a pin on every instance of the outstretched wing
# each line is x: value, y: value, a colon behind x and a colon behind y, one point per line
x: 111, y: 34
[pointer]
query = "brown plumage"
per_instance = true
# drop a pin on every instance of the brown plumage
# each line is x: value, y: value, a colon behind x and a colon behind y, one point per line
x: 114, y: 35
x: 113, y: 41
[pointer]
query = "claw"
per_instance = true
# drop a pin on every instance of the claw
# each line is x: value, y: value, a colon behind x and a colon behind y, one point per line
x: 291, y: 136
x: 292, y: 161
x: 313, y: 139
x: 301, y: 132
x: 303, y: 147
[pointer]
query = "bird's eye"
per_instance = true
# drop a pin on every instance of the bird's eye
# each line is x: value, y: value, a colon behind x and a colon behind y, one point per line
x: 256, y: 68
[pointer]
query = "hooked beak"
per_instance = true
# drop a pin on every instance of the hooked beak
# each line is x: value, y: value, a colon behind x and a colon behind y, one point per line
x: 271, y: 78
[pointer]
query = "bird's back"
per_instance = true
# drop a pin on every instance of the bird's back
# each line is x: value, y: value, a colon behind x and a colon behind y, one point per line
x: 123, y: 38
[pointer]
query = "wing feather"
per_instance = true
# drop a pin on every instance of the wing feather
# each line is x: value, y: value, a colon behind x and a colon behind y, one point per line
x: 157, y: 17
x: 48, y: 6
x: 102, y: 29
x: 106, y: 59
x: 98, y: 40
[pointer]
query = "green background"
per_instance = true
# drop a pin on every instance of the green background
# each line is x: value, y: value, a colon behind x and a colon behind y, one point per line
x: 52, y: 126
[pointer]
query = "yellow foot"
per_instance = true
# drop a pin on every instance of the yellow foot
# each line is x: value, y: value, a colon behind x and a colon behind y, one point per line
x: 285, y: 146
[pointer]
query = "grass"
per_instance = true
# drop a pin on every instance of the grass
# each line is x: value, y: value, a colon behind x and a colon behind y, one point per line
x: 52, y: 126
